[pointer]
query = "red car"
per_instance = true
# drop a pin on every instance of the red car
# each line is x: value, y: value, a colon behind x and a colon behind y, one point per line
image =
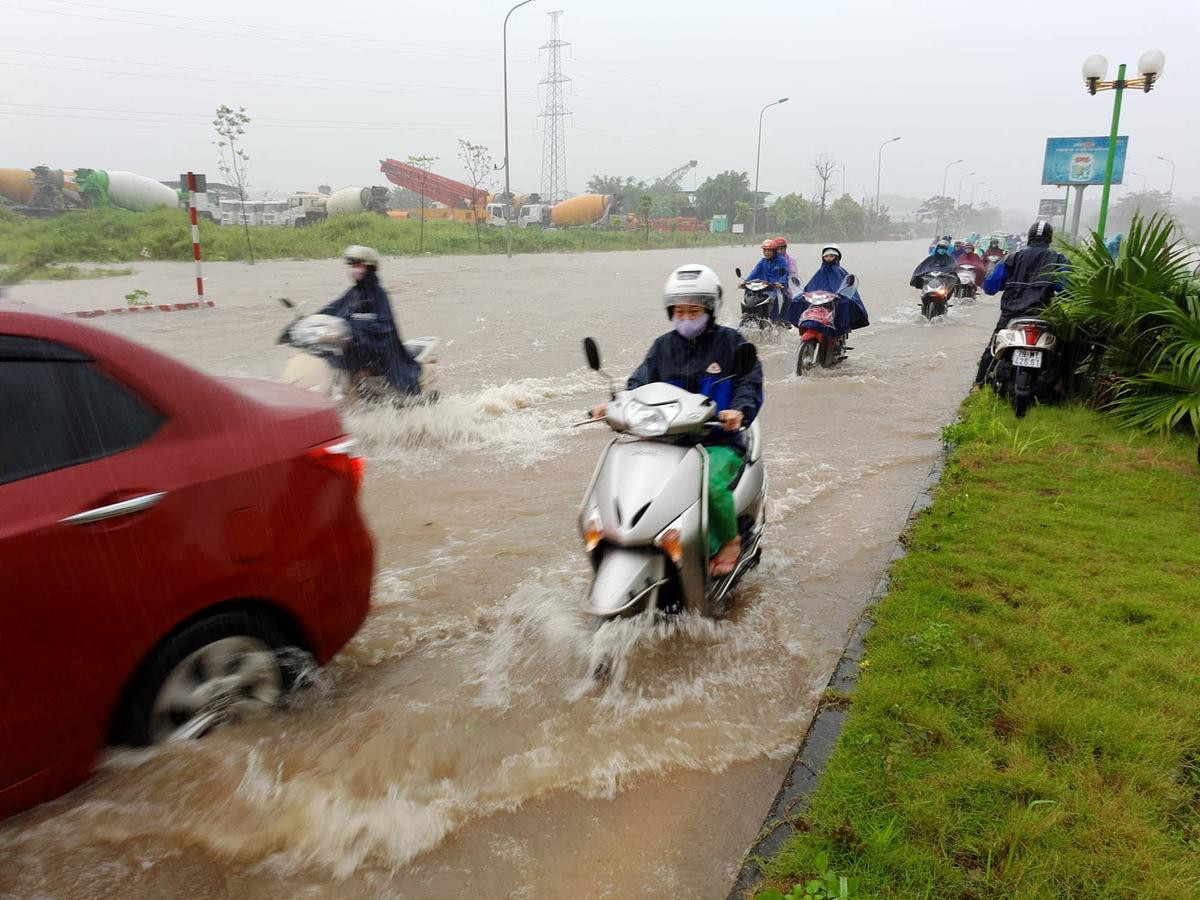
x: 168, y: 542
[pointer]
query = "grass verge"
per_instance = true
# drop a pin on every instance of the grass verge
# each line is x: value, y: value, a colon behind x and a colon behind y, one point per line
x: 1027, y: 721
x: 35, y: 271
x: 108, y: 235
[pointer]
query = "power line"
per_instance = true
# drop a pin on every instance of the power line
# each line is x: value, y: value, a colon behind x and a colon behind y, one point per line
x: 459, y: 54
x: 103, y: 59
x: 416, y: 88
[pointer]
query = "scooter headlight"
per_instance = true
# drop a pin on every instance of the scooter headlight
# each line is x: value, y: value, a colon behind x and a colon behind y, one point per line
x: 649, y: 421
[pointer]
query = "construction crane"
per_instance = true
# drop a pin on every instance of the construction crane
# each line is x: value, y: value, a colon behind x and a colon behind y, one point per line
x: 672, y: 178
x: 438, y: 188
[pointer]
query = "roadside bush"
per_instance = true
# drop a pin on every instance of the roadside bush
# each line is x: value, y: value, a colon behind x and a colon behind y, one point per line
x: 1137, y: 320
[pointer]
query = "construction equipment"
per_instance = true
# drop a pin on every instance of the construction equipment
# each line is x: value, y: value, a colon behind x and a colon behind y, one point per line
x: 453, y: 194
x: 672, y: 178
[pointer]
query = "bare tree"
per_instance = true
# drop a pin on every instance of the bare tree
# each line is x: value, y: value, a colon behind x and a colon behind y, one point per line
x: 825, y: 165
x: 230, y: 125
x: 478, y: 163
x: 424, y: 163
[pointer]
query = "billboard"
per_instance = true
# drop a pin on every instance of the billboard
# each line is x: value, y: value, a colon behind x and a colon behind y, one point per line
x: 1081, y: 161
x: 1052, y: 209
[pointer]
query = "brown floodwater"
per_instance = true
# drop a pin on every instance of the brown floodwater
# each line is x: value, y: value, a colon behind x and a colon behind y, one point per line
x: 458, y: 746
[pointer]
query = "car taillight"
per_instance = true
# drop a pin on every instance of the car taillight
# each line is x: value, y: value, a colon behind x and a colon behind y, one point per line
x: 1032, y: 335
x: 341, y: 457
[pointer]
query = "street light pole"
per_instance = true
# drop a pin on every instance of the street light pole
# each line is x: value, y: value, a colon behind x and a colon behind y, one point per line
x: 945, y: 175
x: 879, y: 171
x: 507, y: 186
x: 971, y: 202
x: 1141, y: 176
x: 962, y: 178
x: 1171, y: 189
x: 758, y: 159
x: 1095, y: 68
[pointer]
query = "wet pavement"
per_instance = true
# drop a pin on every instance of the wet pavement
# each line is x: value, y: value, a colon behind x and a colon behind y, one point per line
x: 458, y: 746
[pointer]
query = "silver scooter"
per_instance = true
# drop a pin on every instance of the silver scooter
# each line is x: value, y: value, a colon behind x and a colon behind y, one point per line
x: 644, y: 517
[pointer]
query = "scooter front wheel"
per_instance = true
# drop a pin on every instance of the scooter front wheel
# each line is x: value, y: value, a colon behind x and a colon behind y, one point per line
x: 810, y: 353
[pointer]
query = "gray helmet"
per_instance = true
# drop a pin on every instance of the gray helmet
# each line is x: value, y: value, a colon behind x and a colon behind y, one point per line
x: 1041, y: 232
x: 365, y: 255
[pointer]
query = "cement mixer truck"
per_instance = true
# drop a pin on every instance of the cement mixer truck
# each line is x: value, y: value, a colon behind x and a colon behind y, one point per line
x: 308, y: 209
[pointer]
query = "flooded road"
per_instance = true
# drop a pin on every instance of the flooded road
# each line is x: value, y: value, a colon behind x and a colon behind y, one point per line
x: 458, y: 746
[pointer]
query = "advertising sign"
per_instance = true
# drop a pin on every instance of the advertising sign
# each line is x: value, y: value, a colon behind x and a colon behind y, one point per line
x: 1081, y: 161
x: 1052, y: 209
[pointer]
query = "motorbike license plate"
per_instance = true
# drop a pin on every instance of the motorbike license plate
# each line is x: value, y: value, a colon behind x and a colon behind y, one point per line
x: 1030, y: 359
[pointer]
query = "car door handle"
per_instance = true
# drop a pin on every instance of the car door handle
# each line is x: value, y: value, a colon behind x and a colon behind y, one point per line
x: 112, y: 510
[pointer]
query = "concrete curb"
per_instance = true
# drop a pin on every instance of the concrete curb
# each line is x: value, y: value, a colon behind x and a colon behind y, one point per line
x: 817, y: 745
x: 122, y: 310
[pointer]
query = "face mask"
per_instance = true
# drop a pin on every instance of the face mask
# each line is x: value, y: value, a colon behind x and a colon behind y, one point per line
x: 691, y: 328
x: 942, y: 251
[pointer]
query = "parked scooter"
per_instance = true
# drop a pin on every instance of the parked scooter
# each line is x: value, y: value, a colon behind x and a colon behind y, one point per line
x: 937, y: 285
x: 821, y: 344
x: 1025, y: 362
x: 966, y: 289
x: 763, y: 304
x: 319, y: 342
x: 644, y: 517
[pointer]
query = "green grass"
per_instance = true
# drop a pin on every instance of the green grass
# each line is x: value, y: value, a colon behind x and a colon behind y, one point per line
x: 34, y: 271
x: 117, y: 236
x: 1027, y: 722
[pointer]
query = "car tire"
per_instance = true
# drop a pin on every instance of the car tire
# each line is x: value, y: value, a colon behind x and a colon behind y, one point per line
x: 216, y: 670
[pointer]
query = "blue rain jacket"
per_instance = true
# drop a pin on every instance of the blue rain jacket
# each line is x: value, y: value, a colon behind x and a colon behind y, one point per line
x: 696, y: 366
x: 773, y: 270
x: 851, y: 312
x: 375, y: 344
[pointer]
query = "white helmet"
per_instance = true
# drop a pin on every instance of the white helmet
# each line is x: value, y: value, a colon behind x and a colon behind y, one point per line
x: 694, y: 284
x: 831, y: 248
x: 365, y: 255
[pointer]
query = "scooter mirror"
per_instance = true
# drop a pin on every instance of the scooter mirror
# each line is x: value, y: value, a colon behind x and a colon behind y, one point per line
x: 737, y: 272
x: 850, y: 280
x: 745, y: 358
x: 592, y: 352
x: 795, y: 281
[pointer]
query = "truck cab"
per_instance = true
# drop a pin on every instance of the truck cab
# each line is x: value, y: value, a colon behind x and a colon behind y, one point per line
x: 534, y: 214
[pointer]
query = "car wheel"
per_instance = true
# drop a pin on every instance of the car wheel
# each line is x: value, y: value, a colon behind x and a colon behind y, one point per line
x: 219, y: 670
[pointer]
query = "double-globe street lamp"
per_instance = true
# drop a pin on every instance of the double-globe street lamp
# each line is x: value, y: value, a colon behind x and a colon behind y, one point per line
x: 1095, y: 70
x: 758, y: 159
x: 507, y: 187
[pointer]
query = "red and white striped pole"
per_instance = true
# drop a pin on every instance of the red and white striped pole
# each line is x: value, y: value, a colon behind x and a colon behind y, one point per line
x: 191, y: 178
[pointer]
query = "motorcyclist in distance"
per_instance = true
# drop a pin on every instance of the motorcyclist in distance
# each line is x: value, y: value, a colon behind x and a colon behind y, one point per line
x: 958, y: 249
x: 696, y: 355
x: 939, y: 260
x: 781, y: 249
x: 1029, y: 278
x: 975, y: 261
x: 851, y: 312
x: 375, y: 346
x: 994, y: 251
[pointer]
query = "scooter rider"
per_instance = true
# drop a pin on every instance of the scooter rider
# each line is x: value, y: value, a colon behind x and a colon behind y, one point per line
x: 696, y: 355
x: 772, y: 268
x: 994, y: 251
x: 939, y: 260
x: 972, y: 259
x: 850, y: 313
x: 375, y: 346
x: 1029, y: 278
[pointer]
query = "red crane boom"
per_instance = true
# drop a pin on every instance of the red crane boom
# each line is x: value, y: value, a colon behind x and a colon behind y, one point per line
x: 453, y: 193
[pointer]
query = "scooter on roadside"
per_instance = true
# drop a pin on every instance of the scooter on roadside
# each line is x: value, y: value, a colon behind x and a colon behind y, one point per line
x: 320, y: 341
x: 644, y: 516
x: 763, y: 304
x: 1025, y: 362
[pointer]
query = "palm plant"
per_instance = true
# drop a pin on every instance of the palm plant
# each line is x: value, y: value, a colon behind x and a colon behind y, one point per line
x: 1136, y: 319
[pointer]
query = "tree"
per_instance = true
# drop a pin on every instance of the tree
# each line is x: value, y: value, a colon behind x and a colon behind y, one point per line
x: 230, y: 125
x: 478, y: 163
x: 848, y: 219
x: 825, y: 165
x: 647, y: 204
x: 720, y: 194
x: 794, y: 214
x: 936, y: 209
x: 424, y: 163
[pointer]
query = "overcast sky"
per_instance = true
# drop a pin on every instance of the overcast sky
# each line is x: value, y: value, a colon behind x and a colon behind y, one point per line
x: 334, y: 88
